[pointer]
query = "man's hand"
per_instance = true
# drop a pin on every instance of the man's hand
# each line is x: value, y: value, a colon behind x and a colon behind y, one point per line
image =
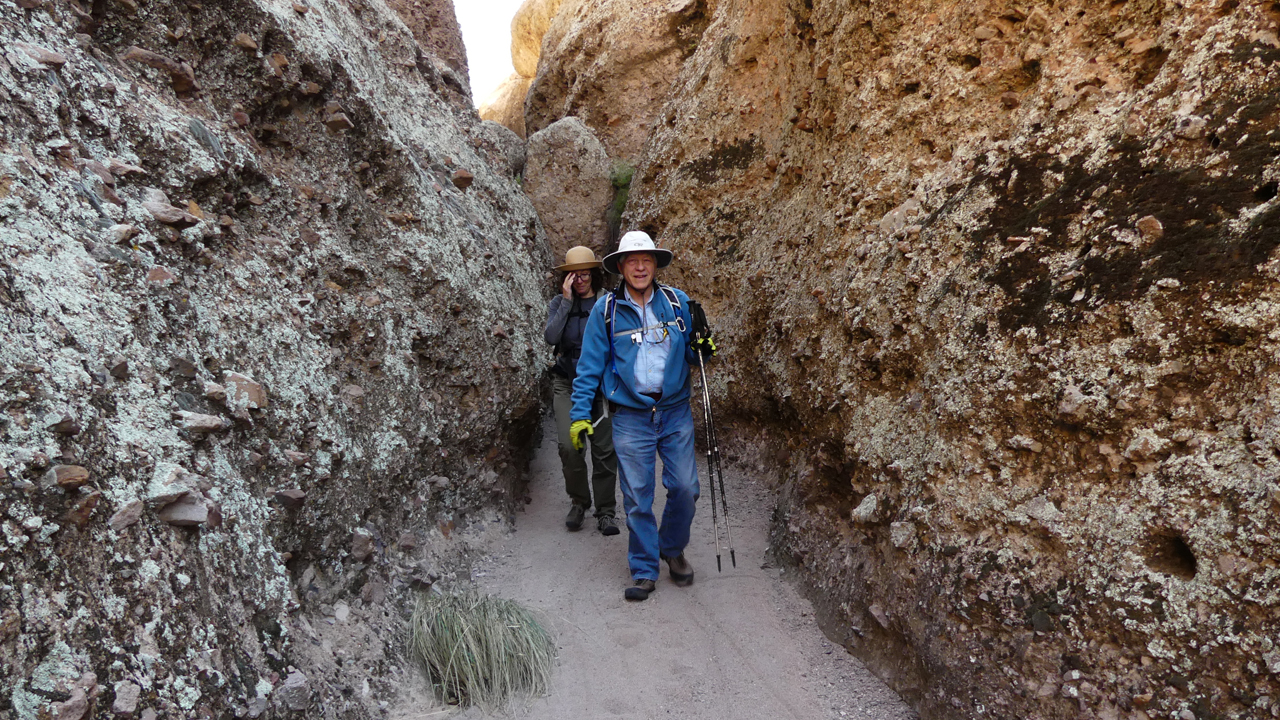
x: 576, y: 430
x: 705, y: 346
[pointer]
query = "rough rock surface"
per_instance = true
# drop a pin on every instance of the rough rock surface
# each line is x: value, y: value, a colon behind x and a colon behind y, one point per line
x: 232, y: 271
x: 612, y: 62
x: 528, y: 28
x: 1011, y: 269
x: 567, y: 177
x: 505, y: 105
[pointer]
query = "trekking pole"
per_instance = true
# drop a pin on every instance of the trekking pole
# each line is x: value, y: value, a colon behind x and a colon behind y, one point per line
x: 724, y: 497
x: 711, y: 479
x: 714, y: 470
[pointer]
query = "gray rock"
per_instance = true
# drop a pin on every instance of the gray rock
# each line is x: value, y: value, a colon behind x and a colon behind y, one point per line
x: 126, y: 700
x: 295, y: 693
x: 200, y: 423
x: 362, y: 545
x: 867, y: 510
x: 568, y: 178
x: 507, y: 143
x: 128, y: 514
x: 187, y: 511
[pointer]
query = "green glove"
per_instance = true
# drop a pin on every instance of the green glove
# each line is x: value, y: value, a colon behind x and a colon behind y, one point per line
x: 706, y: 346
x: 576, y: 430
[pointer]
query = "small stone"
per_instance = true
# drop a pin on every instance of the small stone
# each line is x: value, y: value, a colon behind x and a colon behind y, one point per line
x: 300, y: 8
x: 245, y: 41
x: 985, y: 32
x: 67, y: 477
x: 1150, y: 228
x: 291, y: 499
x: 338, y: 122
x: 362, y: 545
x: 214, y: 391
x: 462, y: 179
x: 181, y: 76
x: 169, y: 482
x: 66, y: 425
x: 122, y: 233
x: 295, y: 692
x: 1186, y: 715
x: 310, y: 88
x: 866, y: 512
x: 160, y: 277
x: 83, y: 510
x: 297, y: 458
x: 183, y: 367
x: 41, y: 55
x: 499, y: 332
x: 120, y: 169
x: 877, y: 612
x: 126, y: 702
x: 408, y: 540
x: 901, y: 534
x: 244, y: 393
x: 200, y: 423
x: 341, y: 612
x: 1022, y: 442
x: 1041, y: 622
x: 126, y: 516
x: 278, y: 63
x: 1010, y: 100
x: 241, y: 119
x: 170, y: 215
x: 74, y: 708
x: 187, y: 511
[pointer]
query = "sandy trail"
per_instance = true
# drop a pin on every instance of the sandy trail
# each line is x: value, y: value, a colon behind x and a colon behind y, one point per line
x: 739, y: 644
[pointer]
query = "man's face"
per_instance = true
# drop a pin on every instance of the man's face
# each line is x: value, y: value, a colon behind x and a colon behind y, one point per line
x: 638, y: 269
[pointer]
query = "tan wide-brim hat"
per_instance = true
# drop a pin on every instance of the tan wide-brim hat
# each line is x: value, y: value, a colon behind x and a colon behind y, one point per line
x: 633, y: 242
x: 579, y: 258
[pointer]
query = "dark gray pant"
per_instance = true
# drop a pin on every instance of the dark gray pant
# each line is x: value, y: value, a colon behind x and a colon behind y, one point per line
x: 604, y: 479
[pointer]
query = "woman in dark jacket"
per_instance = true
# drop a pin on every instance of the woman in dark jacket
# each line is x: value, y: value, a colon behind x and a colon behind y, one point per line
x: 567, y: 317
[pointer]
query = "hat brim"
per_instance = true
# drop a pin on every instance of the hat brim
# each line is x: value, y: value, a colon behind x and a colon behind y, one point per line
x: 579, y: 266
x: 660, y: 256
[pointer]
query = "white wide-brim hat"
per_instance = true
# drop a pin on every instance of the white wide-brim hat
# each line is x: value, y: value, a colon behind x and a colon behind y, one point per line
x: 632, y: 242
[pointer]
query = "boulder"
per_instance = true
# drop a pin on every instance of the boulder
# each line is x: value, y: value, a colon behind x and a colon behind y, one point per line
x: 505, y: 144
x: 567, y: 178
x: 527, y: 30
x: 505, y: 104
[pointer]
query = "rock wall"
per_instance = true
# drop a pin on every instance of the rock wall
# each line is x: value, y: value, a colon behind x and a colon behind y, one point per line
x: 998, y: 289
x: 271, y: 316
x: 642, y: 45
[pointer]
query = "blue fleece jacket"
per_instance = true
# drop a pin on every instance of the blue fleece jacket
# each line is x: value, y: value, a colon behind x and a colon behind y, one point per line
x: 595, y: 367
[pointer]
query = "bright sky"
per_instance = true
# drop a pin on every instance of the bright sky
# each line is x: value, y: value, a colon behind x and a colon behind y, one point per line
x: 486, y: 30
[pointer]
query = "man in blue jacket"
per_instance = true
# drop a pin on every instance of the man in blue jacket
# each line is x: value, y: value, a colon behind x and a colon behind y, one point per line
x: 639, y: 344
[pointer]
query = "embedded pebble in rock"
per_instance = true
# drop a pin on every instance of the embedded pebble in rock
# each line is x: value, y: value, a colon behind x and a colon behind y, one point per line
x: 128, y: 514
x: 295, y: 693
x: 214, y: 391
x: 127, y: 694
x: 296, y: 457
x: 188, y: 510
x: 67, y: 477
x: 200, y: 423
x: 291, y: 498
x: 866, y: 511
x: 362, y: 545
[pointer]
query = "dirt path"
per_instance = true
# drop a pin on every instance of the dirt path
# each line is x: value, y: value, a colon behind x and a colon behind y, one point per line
x: 740, y: 645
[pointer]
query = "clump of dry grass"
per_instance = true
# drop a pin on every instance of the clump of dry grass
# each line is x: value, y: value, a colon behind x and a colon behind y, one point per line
x: 480, y: 649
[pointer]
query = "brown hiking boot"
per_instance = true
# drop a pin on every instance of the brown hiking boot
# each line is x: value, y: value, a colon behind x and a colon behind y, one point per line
x: 641, y: 590
x: 680, y: 569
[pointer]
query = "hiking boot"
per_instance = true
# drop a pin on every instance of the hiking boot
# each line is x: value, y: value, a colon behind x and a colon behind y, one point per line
x: 680, y: 569
x: 640, y: 591
x: 607, y: 525
x: 573, y: 520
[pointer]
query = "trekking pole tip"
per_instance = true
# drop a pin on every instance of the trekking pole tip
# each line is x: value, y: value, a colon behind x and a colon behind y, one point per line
x: 718, y: 567
x: 733, y: 558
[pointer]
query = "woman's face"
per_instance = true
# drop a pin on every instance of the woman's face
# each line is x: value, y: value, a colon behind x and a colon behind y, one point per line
x: 581, y: 281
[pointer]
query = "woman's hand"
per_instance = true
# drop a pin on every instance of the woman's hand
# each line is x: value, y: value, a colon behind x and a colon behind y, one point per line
x: 567, y: 289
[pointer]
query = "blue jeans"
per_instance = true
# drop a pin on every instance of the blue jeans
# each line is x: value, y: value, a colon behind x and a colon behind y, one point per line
x: 639, y: 438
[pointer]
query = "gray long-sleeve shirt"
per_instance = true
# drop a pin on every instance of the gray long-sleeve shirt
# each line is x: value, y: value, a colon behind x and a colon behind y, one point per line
x: 565, y: 326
